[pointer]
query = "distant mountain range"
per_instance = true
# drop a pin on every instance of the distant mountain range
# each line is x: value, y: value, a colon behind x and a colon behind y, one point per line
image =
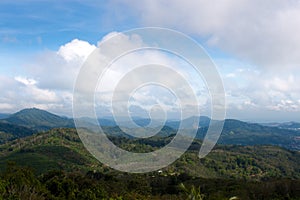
x: 4, y: 115
x: 285, y: 125
x: 11, y: 131
x: 29, y: 121
x: 243, y: 133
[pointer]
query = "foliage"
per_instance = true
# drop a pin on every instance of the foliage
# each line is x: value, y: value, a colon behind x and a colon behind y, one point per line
x: 62, y: 149
x: 10, y: 132
x: 241, y: 133
x: 38, y: 120
x: 193, y: 193
x: 61, y: 168
x: 21, y: 183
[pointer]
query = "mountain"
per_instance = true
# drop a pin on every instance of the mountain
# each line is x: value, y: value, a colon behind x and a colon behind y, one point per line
x: 38, y: 120
x: 62, y: 149
x: 4, y: 115
x: 152, y: 123
x: 29, y: 121
x: 54, y: 149
x: 188, y: 122
x: 107, y: 122
x: 11, y: 131
x: 142, y: 122
x: 243, y: 133
x: 286, y: 125
x: 55, y: 165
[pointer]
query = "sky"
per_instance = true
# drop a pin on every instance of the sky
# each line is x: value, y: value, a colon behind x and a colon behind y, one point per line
x: 254, y: 44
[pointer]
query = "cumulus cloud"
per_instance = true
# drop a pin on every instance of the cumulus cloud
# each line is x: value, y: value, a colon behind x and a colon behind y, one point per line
x: 58, y: 70
x: 263, y: 33
x: 76, y: 50
x: 49, y: 79
x: 21, y: 92
x: 127, y: 65
x: 250, y: 90
x: 25, y: 81
x: 6, y: 106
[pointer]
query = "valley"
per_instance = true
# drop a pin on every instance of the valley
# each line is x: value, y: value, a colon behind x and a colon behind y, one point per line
x: 247, y: 158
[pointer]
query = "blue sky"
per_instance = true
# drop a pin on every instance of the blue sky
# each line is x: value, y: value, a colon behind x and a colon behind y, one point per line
x: 254, y: 44
x: 35, y: 25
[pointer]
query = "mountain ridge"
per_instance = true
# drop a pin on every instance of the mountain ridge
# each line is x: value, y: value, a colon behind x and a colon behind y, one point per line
x: 29, y: 121
x: 37, y: 119
x: 61, y: 148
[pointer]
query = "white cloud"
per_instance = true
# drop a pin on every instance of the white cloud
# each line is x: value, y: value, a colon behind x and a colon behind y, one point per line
x: 265, y: 33
x: 251, y: 90
x: 76, y: 50
x: 31, y: 92
x: 25, y: 81
x: 128, y: 64
x: 58, y: 70
x: 22, y: 92
x: 6, y: 106
x: 49, y: 80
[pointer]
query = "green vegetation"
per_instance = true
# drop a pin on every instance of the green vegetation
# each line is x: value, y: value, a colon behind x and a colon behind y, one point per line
x: 62, y: 149
x: 55, y: 165
x: 55, y: 149
x: 4, y: 115
x: 242, y: 133
x: 193, y: 193
x: 21, y: 183
x: 29, y: 121
x: 10, y: 132
x: 38, y: 120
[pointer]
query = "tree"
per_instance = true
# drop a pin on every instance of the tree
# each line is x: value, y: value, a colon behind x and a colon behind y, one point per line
x: 193, y: 193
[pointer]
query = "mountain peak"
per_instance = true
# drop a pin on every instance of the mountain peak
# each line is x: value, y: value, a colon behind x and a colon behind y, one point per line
x: 38, y: 119
x: 26, y: 110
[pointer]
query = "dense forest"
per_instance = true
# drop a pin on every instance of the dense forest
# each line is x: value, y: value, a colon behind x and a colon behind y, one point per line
x: 21, y: 183
x: 55, y: 165
x: 42, y: 157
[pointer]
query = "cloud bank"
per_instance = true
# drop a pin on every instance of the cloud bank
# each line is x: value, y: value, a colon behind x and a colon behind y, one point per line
x: 261, y: 36
x: 264, y: 33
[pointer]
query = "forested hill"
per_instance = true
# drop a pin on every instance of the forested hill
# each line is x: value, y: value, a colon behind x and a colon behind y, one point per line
x: 29, y: 121
x: 62, y: 149
x: 61, y: 168
x: 38, y: 119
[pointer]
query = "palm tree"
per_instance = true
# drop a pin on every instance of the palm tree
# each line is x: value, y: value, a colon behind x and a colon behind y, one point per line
x: 193, y: 193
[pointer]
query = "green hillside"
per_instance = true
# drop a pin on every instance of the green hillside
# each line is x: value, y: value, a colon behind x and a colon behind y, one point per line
x: 62, y: 149
x: 55, y: 149
x: 37, y: 119
x: 61, y: 168
x: 235, y: 132
x: 4, y: 115
x: 11, y: 131
x: 242, y: 133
